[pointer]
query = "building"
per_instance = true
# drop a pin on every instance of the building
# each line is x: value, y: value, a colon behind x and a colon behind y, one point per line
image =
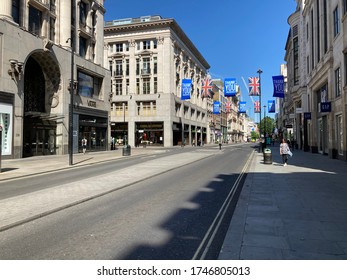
x: 317, y: 76
x: 38, y: 70
x: 148, y: 58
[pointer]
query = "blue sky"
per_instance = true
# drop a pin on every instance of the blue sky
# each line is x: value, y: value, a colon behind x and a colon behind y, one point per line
x: 236, y: 37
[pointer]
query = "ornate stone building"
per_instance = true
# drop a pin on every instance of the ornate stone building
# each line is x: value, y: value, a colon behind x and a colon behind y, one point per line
x: 148, y: 58
x: 317, y: 76
x: 36, y: 67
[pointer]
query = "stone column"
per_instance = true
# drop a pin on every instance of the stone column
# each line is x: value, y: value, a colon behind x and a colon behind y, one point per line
x: 6, y: 9
x: 65, y: 28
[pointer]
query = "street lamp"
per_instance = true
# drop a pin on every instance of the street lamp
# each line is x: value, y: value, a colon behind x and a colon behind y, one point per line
x: 71, y: 103
x: 264, y: 121
x: 259, y: 75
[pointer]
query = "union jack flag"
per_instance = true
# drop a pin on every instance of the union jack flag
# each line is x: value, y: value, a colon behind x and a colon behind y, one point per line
x: 206, y: 88
x: 228, y: 106
x: 254, y: 86
x: 256, y: 107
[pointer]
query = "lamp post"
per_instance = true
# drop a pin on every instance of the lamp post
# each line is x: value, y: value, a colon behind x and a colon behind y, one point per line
x: 264, y: 121
x: 259, y: 77
x: 71, y: 103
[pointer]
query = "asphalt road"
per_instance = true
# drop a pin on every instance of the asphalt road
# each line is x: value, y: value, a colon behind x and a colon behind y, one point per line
x: 164, y: 217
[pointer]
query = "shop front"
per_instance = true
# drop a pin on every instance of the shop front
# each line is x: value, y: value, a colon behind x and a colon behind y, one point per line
x: 149, y: 133
x: 93, y: 127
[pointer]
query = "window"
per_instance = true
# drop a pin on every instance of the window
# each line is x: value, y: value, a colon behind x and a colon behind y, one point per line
x: 85, y: 85
x: 155, y: 85
x: 325, y: 32
x: 155, y: 65
x: 119, y: 47
x: 15, y: 10
x: 127, y: 86
x: 146, y: 66
x: 339, y: 134
x: 52, y: 6
x: 336, y: 21
x: 146, y: 108
x: 137, y: 66
x: 137, y: 86
x: 155, y: 44
x: 35, y: 21
x: 338, y: 82
x: 296, y: 60
x: 83, y: 47
x: 146, y: 86
x: 344, y: 6
x: 127, y: 69
x: 119, y: 87
x: 146, y: 45
x: 88, y: 86
x: 119, y: 68
x: 83, y: 13
x: 52, y: 29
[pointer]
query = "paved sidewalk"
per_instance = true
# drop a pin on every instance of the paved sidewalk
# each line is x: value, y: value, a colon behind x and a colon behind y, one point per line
x: 14, y: 168
x: 298, y: 211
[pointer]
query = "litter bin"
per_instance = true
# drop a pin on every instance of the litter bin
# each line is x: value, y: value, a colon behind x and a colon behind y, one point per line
x: 126, y: 150
x: 267, y: 156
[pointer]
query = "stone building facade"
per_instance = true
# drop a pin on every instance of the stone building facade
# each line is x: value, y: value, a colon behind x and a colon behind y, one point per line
x: 36, y: 67
x: 317, y: 76
x: 148, y: 58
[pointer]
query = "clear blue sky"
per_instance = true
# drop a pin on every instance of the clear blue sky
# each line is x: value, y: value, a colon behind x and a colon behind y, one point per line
x: 236, y: 37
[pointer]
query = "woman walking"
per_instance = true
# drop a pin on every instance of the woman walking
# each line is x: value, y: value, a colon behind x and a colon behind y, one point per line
x: 284, y: 150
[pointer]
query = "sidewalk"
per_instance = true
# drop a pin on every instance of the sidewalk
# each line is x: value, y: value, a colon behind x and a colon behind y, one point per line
x: 15, y: 168
x: 293, y: 212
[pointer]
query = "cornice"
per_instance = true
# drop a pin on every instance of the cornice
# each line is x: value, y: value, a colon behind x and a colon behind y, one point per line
x: 158, y: 24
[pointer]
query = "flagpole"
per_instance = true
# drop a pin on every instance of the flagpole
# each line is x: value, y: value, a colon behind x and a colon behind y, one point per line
x: 259, y: 74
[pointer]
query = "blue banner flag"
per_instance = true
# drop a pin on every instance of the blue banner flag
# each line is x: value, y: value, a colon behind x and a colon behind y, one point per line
x: 271, y: 104
x: 278, y: 82
x: 242, y: 107
x: 229, y: 87
x: 186, y: 88
x: 216, y: 107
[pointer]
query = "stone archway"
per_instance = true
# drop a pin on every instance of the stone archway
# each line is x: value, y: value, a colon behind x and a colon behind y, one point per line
x: 41, y: 84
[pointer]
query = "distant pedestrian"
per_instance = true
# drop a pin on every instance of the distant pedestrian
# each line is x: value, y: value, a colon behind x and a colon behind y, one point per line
x: 84, y: 145
x: 284, y: 150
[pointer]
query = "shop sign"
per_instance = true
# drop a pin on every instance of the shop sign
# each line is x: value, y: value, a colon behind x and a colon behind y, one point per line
x: 307, y: 115
x: 91, y: 103
x: 325, y: 107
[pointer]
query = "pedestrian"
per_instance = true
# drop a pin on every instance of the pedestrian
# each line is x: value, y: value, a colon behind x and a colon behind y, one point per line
x: 84, y: 145
x: 284, y: 150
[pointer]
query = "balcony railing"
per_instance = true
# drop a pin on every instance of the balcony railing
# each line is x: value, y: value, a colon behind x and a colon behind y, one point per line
x: 146, y: 71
